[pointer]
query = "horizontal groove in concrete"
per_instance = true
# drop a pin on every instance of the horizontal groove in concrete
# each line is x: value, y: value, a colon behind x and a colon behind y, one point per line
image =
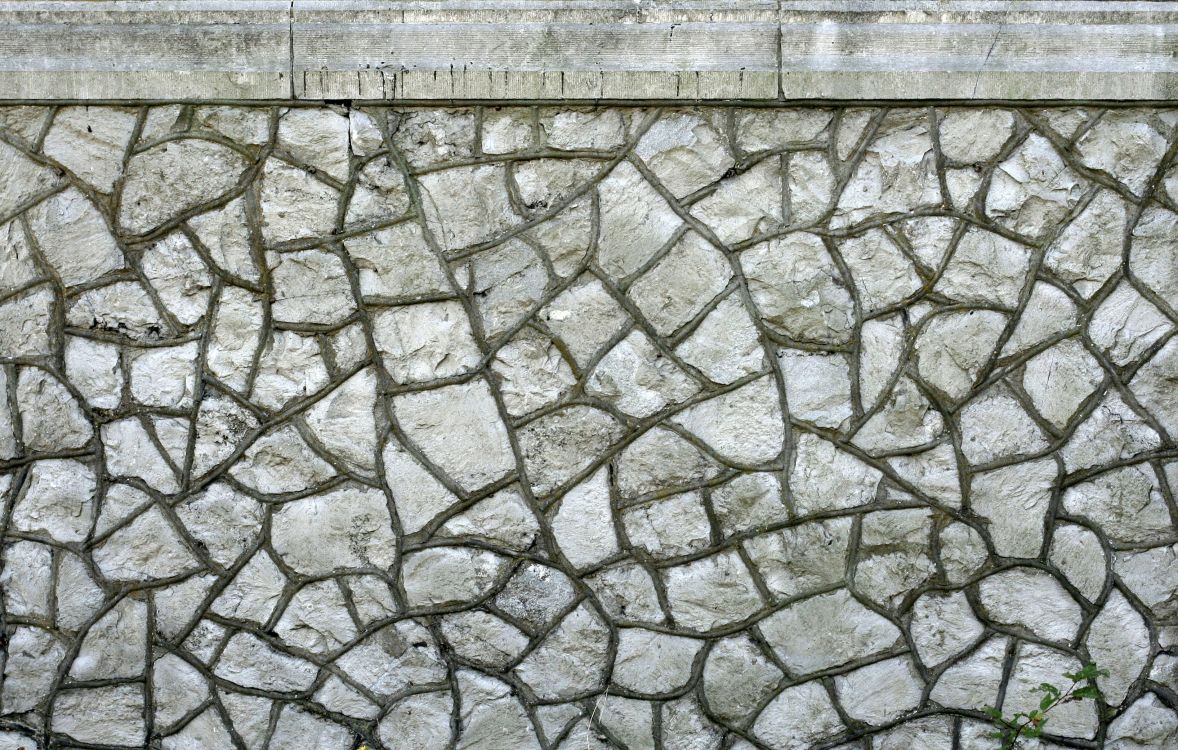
x: 588, y: 50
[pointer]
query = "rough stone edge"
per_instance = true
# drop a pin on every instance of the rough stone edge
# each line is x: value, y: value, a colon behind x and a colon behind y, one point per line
x: 588, y: 50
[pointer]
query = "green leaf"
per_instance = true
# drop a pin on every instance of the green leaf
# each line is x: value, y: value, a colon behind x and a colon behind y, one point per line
x: 1087, y: 691
x: 1046, y: 702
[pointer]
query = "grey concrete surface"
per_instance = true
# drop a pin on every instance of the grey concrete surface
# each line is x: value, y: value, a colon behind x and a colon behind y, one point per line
x: 587, y: 49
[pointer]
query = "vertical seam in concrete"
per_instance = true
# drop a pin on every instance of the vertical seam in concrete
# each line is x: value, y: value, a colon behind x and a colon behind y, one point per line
x: 290, y: 47
x: 780, y: 63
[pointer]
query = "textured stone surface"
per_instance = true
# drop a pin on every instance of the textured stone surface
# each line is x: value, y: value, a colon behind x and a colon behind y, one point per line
x: 501, y: 428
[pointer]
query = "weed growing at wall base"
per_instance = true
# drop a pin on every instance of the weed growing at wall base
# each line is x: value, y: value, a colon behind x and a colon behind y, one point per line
x: 1012, y: 731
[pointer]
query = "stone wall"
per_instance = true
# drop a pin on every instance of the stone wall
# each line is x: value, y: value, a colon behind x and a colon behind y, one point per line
x: 512, y: 428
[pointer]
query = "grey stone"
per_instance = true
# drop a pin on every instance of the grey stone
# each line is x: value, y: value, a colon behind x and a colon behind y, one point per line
x: 711, y: 592
x: 798, y: 717
x: 348, y: 528
x: 173, y: 178
x: 458, y: 429
x: 798, y: 289
x: 827, y: 630
x: 1028, y: 598
x: 882, y: 692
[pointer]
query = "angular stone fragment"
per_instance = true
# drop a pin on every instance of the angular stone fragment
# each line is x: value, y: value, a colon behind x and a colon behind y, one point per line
x: 115, y: 645
x: 582, y: 524
x: 995, y: 426
x: 27, y: 579
x: 743, y: 425
x: 626, y: 592
x: 677, y: 525
x: 1076, y: 551
x: 953, y: 347
x: 745, y: 205
x: 737, y: 677
x: 91, y: 142
x: 798, y: 290
x: 236, y: 333
x: 254, y: 591
x: 897, y: 172
x: 429, y: 341
x: 635, y: 221
x: 33, y: 656
x: 826, y: 478
x: 970, y: 136
x: 1124, y: 145
x: 1032, y: 189
x: 725, y: 346
x: 685, y: 151
x: 882, y: 274
x: 1089, y: 249
x: 651, y: 662
x: 281, y: 461
x: 310, y: 286
x: 559, y: 446
x: 22, y: 178
x: 986, y: 269
x: 571, y: 129
x: 251, y: 662
x: 1126, y: 325
x: 121, y: 707
x: 1125, y: 503
x: 1015, y: 500
x: 638, y: 378
x: 584, y: 316
x: 317, y: 137
x: 798, y: 717
x: 348, y: 528
x: 397, y: 262
x: 458, y: 428
x: 711, y: 592
x: 1146, y: 723
x: 419, y: 720
x: 466, y: 205
x: 802, y: 559
x: 817, y: 387
x: 225, y: 233
x: 681, y: 283
x: 974, y: 679
x: 532, y: 373
x: 444, y: 576
x: 748, y: 502
x: 826, y: 631
x: 1118, y: 638
x: 179, y: 276
x: 943, y: 625
x: 169, y: 180
x: 759, y: 129
x: 1029, y: 598
x: 508, y: 283
x: 74, y: 238
x: 58, y: 500
x: 571, y: 660
x: 165, y: 376
x: 810, y: 183
x: 148, y: 548
x: 1060, y: 379
x: 1038, y: 664
x: 882, y: 692
x: 295, y: 204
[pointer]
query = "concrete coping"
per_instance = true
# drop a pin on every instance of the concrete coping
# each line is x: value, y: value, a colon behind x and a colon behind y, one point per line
x: 588, y: 50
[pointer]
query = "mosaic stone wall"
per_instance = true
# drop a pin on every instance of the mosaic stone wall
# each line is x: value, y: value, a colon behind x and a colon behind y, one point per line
x: 515, y: 428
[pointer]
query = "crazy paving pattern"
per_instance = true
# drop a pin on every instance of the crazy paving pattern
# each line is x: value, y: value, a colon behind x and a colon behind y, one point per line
x: 618, y: 428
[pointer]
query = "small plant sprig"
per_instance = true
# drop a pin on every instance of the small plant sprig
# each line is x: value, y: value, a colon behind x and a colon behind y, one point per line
x: 1012, y: 731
